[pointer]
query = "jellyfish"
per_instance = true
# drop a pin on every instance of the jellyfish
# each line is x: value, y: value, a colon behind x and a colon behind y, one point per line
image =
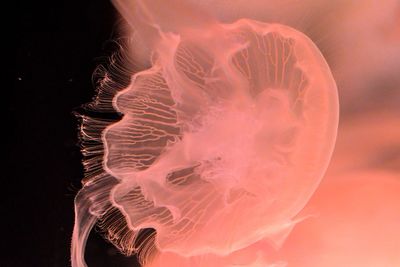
x: 226, y: 132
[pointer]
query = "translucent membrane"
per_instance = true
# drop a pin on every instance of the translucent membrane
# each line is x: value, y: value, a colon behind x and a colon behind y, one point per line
x: 223, y: 140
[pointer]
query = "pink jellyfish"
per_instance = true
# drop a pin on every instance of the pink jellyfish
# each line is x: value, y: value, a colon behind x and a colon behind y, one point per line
x: 223, y: 140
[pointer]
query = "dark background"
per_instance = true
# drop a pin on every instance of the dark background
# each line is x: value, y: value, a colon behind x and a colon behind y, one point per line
x: 58, y: 45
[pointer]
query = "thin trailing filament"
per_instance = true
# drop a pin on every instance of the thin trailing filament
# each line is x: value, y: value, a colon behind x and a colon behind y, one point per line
x: 224, y: 137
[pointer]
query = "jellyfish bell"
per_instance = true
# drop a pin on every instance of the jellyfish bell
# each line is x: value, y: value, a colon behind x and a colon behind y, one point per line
x: 222, y: 141
x: 224, y: 164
